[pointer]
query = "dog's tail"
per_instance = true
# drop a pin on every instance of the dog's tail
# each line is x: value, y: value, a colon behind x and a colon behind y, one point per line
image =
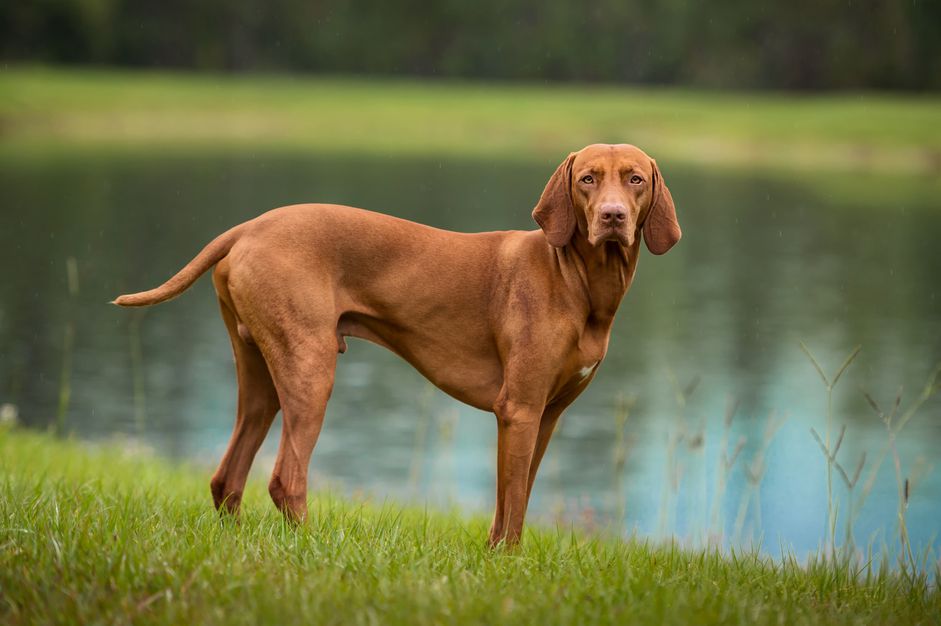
x: 209, y: 256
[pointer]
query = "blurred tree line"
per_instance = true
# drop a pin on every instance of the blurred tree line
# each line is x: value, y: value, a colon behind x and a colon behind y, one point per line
x: 802, y: 44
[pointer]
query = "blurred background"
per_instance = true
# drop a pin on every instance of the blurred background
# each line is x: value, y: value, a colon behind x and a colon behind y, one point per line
x: 827, y: 44
x: 801, y: 142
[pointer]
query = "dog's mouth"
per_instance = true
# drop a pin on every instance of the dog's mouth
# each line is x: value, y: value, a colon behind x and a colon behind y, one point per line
x: 601, y: 234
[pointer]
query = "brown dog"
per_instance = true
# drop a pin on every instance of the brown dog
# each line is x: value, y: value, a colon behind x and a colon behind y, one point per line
x: 514, y: 322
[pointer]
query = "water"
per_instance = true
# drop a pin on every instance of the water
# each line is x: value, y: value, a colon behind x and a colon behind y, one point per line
x: 767, y: 260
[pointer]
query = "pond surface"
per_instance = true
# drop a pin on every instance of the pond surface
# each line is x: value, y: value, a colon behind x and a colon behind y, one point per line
x: 767, y: 261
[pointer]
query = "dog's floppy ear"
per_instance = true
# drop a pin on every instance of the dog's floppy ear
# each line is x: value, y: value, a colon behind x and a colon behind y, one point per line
x: 661, y: 230
x: 555, y: 211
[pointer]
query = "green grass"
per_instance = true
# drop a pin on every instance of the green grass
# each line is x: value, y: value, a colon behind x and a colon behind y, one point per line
x: 101, y: 535
x: 58, y: 108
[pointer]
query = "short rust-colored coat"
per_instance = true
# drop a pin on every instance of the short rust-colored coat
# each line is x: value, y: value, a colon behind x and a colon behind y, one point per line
x: 514, y: 322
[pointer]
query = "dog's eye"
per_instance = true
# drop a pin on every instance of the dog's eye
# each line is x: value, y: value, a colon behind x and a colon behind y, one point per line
x: 636, y: 180
x: 587, y: 179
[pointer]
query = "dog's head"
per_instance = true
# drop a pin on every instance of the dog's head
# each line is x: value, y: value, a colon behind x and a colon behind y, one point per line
x: 608, y: 193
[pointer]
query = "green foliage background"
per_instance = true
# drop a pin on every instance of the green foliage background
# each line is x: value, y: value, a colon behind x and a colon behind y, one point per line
x: 804, y: 44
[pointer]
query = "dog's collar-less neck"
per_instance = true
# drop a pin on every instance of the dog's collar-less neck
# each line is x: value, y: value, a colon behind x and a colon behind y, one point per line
x: 605, y: 272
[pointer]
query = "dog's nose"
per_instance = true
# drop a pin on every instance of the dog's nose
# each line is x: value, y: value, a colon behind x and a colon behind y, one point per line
x: 612, y: 213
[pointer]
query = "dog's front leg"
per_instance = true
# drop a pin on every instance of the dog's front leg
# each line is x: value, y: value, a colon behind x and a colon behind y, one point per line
x: 547, y: 423
x: 517, y: 433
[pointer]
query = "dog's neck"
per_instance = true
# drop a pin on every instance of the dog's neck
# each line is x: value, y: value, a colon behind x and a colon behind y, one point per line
x: 605, y: 272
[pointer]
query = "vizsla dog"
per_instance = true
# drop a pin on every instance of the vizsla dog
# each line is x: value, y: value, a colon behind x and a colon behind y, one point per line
x: 513, y: 322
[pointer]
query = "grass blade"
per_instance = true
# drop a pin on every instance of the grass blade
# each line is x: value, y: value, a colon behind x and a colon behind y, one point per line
x: 849, y: 360
x: 813, y: 360
x: 823, y: 447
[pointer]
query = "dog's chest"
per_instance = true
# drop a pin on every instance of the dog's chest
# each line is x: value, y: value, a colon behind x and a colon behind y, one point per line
x: 590, y: 353
x: 587, y: 370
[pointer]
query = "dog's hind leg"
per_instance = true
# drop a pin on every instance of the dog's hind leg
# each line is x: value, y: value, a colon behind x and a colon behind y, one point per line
x: 304, y: 374
x: 257, y: 405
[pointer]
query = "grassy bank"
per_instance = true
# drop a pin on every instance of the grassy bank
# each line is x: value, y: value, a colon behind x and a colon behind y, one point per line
x: 58, y: 108
x: 104, y: 536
